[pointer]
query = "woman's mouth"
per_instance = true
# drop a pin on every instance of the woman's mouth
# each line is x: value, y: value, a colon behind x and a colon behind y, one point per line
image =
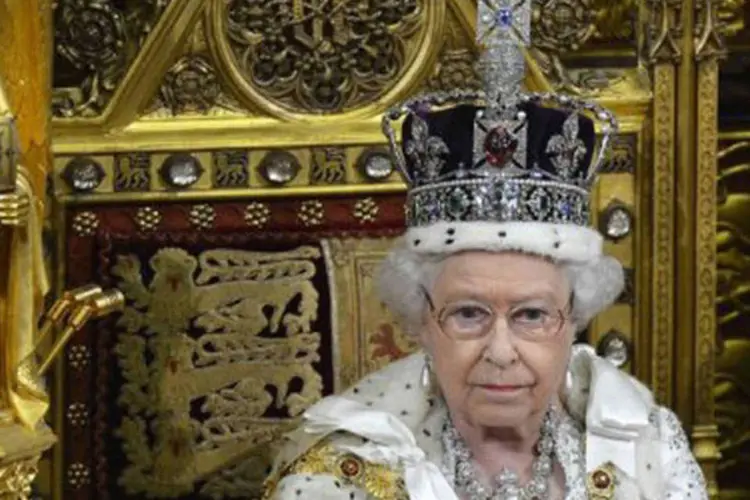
x: 501, y: 388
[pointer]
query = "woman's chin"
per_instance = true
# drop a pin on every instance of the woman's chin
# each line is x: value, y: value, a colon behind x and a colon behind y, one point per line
x: 508, y: 413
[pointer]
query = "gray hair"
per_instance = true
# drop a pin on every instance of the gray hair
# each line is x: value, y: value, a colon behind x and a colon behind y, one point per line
x: 594, y: 285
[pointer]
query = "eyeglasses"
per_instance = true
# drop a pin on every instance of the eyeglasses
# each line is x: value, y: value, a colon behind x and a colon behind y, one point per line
x: 473, y: 320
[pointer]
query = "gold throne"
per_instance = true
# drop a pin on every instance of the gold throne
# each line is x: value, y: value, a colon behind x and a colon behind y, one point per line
x: 221, y: 163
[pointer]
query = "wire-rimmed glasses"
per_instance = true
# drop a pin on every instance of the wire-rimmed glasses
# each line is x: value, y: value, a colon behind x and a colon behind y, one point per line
x: 471, y: 319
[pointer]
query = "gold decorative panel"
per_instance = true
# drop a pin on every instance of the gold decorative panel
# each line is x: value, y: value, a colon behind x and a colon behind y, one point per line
x: 322, y: 56
x: 370, y: 337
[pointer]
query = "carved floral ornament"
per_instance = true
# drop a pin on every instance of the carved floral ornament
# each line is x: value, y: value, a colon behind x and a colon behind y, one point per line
x: 100, y: 39
x: 190, y: 85
x: 563, y: 24
x: 323, y: 56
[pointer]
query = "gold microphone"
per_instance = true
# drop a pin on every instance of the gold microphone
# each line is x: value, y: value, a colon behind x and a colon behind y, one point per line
x: 96, y: 306
x: 54, y: 317
x: 62, y: 307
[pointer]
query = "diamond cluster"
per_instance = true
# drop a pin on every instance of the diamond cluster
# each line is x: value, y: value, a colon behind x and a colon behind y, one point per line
x: 479, y: 200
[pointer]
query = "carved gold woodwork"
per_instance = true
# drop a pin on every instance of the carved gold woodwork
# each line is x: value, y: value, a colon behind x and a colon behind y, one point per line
x: 101, y: 43
x: 26, y: 77
x: 23, y: 437
x: 322, y: 56
x: 731, y: 391
x: 709, y: 48
x: 564, y: 26
x: 731, y: 16
x: 209, y: 74
x: 24, y: 146
x: 19, y: 463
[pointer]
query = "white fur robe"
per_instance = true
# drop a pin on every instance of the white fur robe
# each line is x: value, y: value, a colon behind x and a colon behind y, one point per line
x: 382, y: 439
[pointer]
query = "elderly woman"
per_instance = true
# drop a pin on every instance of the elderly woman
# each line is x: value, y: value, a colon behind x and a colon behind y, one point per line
x: 500, y: 404
x: 496, y: 274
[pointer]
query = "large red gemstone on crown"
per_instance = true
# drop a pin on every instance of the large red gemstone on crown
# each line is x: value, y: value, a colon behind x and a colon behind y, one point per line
x: 499, y: 146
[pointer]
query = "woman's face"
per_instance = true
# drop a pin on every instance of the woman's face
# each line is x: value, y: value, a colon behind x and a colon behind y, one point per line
x: 503, y: 378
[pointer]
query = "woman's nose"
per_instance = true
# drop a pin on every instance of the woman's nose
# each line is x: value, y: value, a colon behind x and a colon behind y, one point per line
x: 501, y: 346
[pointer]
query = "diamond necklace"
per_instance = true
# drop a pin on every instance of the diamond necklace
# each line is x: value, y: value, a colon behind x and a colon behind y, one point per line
x: 459, y: 468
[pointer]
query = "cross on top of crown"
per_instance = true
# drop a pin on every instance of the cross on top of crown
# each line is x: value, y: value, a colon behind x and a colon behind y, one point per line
x: 500, y: 19
x: 503, y: 29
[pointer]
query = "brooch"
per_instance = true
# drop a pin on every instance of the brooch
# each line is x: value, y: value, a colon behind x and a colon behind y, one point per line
x: 600, y: 483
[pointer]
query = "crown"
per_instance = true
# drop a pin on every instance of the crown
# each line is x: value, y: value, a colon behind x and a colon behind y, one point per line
x: 499, y: 155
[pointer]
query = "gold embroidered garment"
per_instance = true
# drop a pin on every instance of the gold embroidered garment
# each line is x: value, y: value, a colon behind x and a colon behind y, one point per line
x: 343, y: 471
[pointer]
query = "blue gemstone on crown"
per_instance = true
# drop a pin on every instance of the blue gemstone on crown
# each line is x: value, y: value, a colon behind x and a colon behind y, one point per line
x: 504, y: 17
x: 567, y: 209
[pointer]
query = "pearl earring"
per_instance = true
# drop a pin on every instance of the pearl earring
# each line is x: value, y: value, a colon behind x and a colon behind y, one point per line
x: 568, y: 381
x: 426, y: 379
x: 574, y: 402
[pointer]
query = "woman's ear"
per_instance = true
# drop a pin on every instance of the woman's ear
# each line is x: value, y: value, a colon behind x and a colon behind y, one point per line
x: 422, y: 333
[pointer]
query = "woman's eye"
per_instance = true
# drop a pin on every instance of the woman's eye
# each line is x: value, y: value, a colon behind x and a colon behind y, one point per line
x: 469, y: 314
x: 468, y: 311
x: 530, y: 315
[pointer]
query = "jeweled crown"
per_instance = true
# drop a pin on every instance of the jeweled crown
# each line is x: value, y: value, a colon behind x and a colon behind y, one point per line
x: 501, y: 154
